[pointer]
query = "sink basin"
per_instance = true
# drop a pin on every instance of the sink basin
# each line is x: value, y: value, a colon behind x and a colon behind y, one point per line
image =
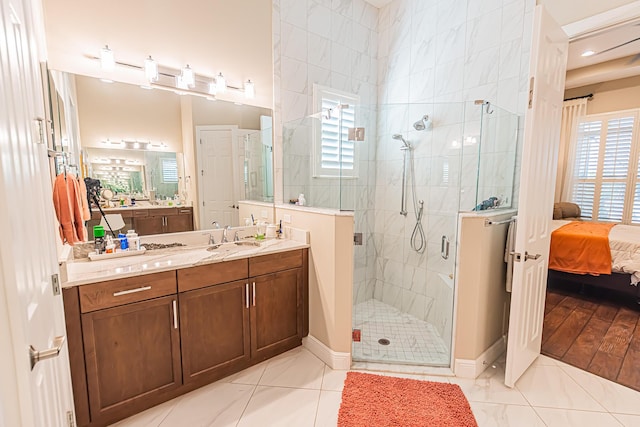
x: 229, y: 246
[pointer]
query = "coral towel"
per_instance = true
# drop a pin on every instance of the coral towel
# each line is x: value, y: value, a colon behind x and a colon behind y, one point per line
x: 68, y: 205
x: 581, y: 247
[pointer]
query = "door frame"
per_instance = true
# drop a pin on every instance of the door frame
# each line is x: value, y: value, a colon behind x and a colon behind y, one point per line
x: 199, y: 164
x: 600, y: 22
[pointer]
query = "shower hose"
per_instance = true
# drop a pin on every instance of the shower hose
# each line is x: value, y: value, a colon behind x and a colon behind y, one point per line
x: 418, y: 240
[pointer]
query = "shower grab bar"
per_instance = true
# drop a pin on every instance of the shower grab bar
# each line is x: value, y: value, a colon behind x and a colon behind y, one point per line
x: 444, y: 248
x: 488, y: 222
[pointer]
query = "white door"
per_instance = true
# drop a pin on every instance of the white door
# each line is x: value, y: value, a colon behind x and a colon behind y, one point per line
x: 537, y: 183
x: 30, y: 313
x: 216, y: 178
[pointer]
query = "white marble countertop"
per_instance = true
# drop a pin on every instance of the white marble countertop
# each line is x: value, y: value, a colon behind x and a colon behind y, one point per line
x: 82, y: 272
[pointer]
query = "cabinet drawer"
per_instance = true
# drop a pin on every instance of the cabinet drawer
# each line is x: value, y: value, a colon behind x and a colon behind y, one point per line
x: 162, y: 211
x: 266, y: 264
x: 125, y: 291
x: 140, y: 213
x: 185, y: 211
x: 212, y: 274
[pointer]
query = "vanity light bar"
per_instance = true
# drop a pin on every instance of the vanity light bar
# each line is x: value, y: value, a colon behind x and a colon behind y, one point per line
x: 185, y: 79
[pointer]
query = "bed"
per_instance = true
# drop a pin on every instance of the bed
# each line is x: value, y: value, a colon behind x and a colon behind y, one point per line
x: 623, y: 274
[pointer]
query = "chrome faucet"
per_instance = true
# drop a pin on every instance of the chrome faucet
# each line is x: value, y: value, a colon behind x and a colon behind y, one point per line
x: 224, y: 234
x: 212, y: 241
x: 215, y: 224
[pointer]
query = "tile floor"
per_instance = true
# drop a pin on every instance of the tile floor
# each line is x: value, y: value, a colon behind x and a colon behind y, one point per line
x: 411, y: 340
x: 297, y: 389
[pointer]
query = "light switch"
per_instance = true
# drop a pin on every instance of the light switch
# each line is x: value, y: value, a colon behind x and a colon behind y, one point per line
x: 287, y: 218
x: 263, y: 213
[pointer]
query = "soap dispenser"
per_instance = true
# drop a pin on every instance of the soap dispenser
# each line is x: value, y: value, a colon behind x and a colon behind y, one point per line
x: 301, y: 200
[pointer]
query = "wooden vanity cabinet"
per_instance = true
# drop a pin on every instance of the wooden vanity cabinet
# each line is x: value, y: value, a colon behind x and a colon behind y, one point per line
x: 126, y: 356
x: 277, y: 306
x: 214, y: 319
x: 132, y: 356
x: 149, y: 221
x: 181, y: 220
x: 139, y: 341
x: 163, y: 220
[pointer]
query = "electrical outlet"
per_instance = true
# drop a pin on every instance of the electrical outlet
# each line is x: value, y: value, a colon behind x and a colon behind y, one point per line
x: 287, y: 218
x: 263, y: 214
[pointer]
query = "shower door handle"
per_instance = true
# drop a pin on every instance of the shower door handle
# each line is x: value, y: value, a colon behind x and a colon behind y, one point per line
x: 444, y: 248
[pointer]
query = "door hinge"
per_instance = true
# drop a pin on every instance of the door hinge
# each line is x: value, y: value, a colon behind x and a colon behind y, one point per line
x: 202, y: 172
x: 531, y: 82
x: 55, y: 284
x: 203, y: 203
x: 517, y: 256
x: 71, y: 420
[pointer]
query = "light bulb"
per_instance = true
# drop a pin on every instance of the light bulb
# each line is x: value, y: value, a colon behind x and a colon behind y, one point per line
x: 249, y: 90
x: 221, y: 83
x: 107, y: 60
x: 151, y: 69
x: 187, y: 76
x: 180, y: 83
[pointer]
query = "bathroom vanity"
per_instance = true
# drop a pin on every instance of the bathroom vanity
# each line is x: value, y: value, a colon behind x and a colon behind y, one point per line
x: 137, y: 341
x: 149, y: 219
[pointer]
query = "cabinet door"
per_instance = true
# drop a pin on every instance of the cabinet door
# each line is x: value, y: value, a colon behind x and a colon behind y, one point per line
x: 145, y: 226
x: 214, y: 326
x: 132, y: 355
x: 276, y: 313
x: 180, y: 222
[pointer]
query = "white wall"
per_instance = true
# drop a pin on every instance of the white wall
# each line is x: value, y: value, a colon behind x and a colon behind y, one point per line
x: 122, y: 111
x: 212, y: 36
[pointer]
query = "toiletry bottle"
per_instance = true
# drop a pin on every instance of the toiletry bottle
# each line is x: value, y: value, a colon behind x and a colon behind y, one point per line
x: 301, y: 200
x: 111, y: 247
x: 134, y: 240
x: 124, y: 243
x: 98, y: 239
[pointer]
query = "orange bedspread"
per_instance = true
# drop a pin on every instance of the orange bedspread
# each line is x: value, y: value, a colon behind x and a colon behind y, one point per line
x: 581, y: 247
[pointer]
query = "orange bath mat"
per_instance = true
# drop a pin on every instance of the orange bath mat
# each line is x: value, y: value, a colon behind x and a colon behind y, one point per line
x: 373, y: 400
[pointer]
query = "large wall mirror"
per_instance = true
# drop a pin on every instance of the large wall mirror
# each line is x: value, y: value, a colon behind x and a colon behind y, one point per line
x: 138, y: 142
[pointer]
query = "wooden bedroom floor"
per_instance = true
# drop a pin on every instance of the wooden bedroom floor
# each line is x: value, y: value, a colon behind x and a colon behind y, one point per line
x: 590, y: 333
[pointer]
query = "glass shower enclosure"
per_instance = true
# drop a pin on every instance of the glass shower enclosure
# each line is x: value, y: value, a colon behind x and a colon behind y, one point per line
x: 406, y: 171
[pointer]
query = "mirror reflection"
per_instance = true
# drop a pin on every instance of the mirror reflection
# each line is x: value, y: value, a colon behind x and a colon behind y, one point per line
x: 164, y: 148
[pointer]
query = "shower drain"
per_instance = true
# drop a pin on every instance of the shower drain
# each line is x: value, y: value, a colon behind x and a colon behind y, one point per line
x: 384, y: 341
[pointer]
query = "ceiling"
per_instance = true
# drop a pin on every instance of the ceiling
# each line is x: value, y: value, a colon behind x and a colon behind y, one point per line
x: 615, y: 57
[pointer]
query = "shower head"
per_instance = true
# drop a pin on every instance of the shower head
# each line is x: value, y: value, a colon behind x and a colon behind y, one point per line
x: 423, y: 123
x: 399, y: 137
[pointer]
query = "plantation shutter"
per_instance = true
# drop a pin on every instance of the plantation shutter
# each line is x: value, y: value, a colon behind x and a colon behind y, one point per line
x: 331, y: 148
x: 605, y: 173
x: 169, y: 171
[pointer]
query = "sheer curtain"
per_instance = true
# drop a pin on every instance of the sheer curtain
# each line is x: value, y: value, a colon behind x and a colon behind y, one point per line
x: 572, y: 112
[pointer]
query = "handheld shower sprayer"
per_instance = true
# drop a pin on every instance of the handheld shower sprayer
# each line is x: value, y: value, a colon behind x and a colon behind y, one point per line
x: 405, y: 143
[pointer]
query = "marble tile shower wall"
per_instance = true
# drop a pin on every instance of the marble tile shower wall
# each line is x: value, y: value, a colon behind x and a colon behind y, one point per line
x: 332, y: 43
x: 438, y: 51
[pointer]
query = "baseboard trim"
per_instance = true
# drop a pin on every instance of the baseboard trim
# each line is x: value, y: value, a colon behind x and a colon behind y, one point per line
x: 334, y: 359
x: 469, y: 368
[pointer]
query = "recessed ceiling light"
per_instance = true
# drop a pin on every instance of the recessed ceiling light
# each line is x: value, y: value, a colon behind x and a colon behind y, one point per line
x: 588, y: 53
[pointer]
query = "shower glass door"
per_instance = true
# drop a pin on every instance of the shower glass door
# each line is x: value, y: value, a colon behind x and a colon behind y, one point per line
x: 407, y: 213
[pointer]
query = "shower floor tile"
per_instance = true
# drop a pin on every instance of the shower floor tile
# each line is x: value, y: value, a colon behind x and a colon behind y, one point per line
x: 411, y: 340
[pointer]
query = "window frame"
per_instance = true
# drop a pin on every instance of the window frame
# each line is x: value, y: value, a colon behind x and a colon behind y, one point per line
x: 319, y: 94
x: 631, y: 179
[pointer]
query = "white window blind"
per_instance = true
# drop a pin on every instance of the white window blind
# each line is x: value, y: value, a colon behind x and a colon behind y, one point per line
x: 606, y: 167
x: 334, y: 154
x: 169, y: 171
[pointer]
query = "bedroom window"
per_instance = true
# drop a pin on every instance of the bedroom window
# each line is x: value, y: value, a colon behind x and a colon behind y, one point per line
x: 330, y: 150
x: 605, y: 172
